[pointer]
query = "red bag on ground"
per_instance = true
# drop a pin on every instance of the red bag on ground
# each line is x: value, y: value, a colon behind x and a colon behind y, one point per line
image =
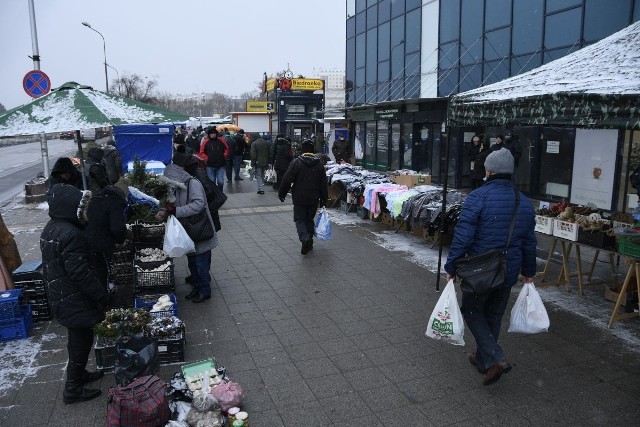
x: 140, y: 404
x: 228, y: 395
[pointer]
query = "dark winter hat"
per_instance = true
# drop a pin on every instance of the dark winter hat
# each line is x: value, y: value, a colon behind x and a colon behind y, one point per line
x: 211, y: 130
x: 180, y: 158
x: 178, y: 138
x: 241, y: 132
x: 306, y: 147
x: 500, y: 161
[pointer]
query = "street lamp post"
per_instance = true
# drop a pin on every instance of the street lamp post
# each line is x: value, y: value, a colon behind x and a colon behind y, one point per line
x: 104, y: 47
x: 117, y: 78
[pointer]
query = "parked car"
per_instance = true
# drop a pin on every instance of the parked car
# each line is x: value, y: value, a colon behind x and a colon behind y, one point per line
x: 88, y: 134
x: 66, y: 135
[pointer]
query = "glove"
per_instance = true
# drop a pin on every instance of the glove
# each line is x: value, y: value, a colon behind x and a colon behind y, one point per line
x: 281, y: 199
x: 170, y: 208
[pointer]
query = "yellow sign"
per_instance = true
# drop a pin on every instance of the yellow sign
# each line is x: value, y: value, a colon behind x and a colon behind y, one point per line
x: 261, y: 106
x: 307, y: 84
x: 271, y: 85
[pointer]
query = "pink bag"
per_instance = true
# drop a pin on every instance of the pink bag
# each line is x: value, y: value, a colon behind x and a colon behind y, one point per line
x: 228, y: 395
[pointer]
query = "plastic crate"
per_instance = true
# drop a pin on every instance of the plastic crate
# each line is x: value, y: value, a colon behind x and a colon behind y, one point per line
x: 148, y: 232
x: 18, y: 328
x: 147, y: 302
x: 544, y: 224
x: 629, y: 246
x: 155, y: 281
x: 10, y: 305
x: 199, y: 367
x: 565, y: 230
x: 105, y: 358
x: 121, y: 268
x: 40, y: 311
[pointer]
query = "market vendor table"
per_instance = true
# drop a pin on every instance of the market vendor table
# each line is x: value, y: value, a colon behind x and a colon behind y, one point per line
x: 565, y: 271
x: 633, y: 270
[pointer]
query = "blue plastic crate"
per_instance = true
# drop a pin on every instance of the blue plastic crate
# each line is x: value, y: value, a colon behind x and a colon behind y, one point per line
x: 10, y: 305
x: 147, y: 302
x: 18, y: 328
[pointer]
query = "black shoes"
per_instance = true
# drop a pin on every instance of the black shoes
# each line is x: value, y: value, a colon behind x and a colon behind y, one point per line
x: 90, y: 377
x: 79, y: 394
x: 474, y: 362
x: 239, y: 179
x: 307, y: 245
x: 200, y: 299
x: 260, y: 192
x: 193, y: 294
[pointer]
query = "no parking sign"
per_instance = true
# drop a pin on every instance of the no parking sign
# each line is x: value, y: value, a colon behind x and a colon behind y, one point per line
x: 36, y: 83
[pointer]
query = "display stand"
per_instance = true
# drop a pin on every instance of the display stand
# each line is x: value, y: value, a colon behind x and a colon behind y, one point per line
x: 633, y: 270
x: 565, y: 275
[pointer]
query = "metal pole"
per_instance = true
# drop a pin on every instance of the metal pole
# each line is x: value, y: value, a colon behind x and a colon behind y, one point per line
x: 104, y: 48
x: 45, y: 154
x: 444, y: 207
x: 34, y: 36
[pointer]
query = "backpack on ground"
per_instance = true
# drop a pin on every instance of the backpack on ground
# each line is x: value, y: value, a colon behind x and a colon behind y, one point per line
x: 140, y: 404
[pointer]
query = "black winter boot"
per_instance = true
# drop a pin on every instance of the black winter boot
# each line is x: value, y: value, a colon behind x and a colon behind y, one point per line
x: 73, y: 390
x: 89, y: 377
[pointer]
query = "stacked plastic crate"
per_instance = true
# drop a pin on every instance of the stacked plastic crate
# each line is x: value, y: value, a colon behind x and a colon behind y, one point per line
x: 121, y: 277
x: 15, y: 318
x: 30, y: 279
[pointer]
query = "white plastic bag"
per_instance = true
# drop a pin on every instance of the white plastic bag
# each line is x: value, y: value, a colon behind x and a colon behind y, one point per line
x: 270, y: 176
x: 446, y: 321
x: 528, y: 314
x: 177, y: 242
x: 323, y: 225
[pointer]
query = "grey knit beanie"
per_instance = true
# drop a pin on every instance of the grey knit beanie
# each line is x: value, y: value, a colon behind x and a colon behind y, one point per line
x: 500, y: 161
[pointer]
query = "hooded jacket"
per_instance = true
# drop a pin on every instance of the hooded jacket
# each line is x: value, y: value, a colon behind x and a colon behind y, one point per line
x: 483, y: 225
x: 309, y: 180
x: 282, y: 155
x: 215, y: 151
x: 260, y: 152
x: 65, y: 165
x: 197, y: 202
x: 95, y: 171
x: 107, y: 225
x: 341, y: 150
x: 76, y: 296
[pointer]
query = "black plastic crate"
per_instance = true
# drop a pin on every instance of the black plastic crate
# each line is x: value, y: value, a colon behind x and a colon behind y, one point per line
x: 169, y: 358
x: 148, y: 232
x: 41, y: 311
x: 155, y: 281
x: 105, y: 358
x: 121, y: 256
x: 122, y: 297
x: 122, y: 280
x: 171, y: 351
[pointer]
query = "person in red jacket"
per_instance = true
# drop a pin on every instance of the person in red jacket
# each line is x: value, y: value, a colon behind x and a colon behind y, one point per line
x: 215, y: 152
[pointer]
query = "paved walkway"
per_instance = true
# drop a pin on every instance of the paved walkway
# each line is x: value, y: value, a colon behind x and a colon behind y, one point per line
x: 337, y: 338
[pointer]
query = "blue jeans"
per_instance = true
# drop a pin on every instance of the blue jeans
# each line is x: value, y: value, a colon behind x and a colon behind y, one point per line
x: 216, y: 175
x: 199, y: 266
x: 237, y: 161
x: 483, y: 315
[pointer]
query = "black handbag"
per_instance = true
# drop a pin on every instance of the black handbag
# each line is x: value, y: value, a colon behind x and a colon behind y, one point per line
x: 199, y: 227
x: 481, y: 274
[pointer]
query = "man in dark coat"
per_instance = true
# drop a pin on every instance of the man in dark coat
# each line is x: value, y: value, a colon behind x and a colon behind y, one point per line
x: 341, y: 150
x: 95, y: 171
x: 240, y: 145
x: 281, y: 157
x: 76, y: 296
x: 112, y: 161
x: 260, y: 150
x: 309, y: 180
x: 65, y: 172
x: 483, y: 225
x: 107, y: 225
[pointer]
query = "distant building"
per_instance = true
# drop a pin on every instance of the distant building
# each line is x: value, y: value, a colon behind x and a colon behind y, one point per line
x: 334, y: 89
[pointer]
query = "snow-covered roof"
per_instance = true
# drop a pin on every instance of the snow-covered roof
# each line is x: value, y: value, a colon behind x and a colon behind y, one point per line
x: 608, y: 67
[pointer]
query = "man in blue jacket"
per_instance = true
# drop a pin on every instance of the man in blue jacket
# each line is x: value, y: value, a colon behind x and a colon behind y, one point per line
x: 483, y: 225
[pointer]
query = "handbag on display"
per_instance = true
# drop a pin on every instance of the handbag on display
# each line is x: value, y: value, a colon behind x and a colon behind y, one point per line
x: 483, y: 273
x: 198, y: 226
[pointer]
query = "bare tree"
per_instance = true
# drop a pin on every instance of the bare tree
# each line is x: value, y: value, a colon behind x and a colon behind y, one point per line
x: 136, y: 87
x: 2, y: 108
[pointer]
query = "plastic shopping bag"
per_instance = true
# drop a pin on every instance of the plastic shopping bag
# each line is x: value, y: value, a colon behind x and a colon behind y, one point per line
x: 323, y: 225
x: 177, y: 242
x: 528, y: 315
x: 136, y: 357
x: 270, y: 176
x: 446, y: 321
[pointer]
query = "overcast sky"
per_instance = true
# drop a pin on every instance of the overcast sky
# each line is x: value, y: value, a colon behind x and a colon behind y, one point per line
x: 188, y: 46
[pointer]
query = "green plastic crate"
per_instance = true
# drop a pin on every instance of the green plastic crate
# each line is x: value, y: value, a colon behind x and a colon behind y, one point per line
x: 199, y: 367
x: 629, y: 246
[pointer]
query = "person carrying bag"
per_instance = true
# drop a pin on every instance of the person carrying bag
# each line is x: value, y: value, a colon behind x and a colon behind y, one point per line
x: 496, y: 229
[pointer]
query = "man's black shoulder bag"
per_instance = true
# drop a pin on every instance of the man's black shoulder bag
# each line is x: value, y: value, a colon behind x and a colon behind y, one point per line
x: 481, y: 274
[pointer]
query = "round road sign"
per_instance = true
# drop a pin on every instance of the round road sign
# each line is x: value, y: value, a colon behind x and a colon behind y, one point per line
x: 36, y: 83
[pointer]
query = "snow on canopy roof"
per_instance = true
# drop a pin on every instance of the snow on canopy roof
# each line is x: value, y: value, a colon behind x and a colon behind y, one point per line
x: 608, y: 67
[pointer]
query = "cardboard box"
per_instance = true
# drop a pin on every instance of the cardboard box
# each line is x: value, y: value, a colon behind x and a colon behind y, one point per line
x: 387, y: 219
x: 402, y: 225
x: 362, y: 212
x: 565, y: 230
x: 544, y: 224
x: 375, y: 218
x: 417, y: 230
x: 411, y: 180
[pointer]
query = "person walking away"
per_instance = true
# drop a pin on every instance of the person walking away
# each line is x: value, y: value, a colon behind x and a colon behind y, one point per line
x: 199, y: 262
x: 341, y: 150
x: 65, y: 172
x: 240, y: 146
x: 95, y: 170
x: 472, y: 153
x: 259, y: 159
x: 215, y: 151
x: 483, y: 225
x: 107, y: 226
x: 77, y: 298
x: 228, y: 167
x: 192, y: 141
x: 281, y: 157
x: 513, y: 145
x: 112, y: 161
x: 307, y: 176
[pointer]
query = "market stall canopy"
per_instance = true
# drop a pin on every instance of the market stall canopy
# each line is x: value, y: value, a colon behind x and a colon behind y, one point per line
x: 597, y: 86
x: 230, y: 128
x: 73, y: 106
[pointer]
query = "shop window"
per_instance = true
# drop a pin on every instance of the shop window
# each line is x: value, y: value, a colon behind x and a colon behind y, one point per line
x: 384, y: 11
x: 361, y: 52
x: 563, y: 29
x: 471, y: 32
x: 470, y: 77
x: 496, y: 44
x: 528, y: 17
x: 524, y: 63
x: 449, y: 20
x: 556, y: 157
x: 372, y: 18
x: 602, y: 20
x: 369, y: 160
x: 384, y: 32
x: 372, y: 60
x: 498, y: 14
x: 555, y: 5
x: 397, y: 8
x: 351, y: 27
x: 495, y: 71
x: 382, y: 145
x: 395, y: 147
x: 406, y: 145
x: 413, y: 31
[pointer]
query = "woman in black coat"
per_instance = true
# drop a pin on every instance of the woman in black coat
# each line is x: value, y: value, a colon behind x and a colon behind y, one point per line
x: 64, y: 172
x: 76, y: 296
x: 281, y: 158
